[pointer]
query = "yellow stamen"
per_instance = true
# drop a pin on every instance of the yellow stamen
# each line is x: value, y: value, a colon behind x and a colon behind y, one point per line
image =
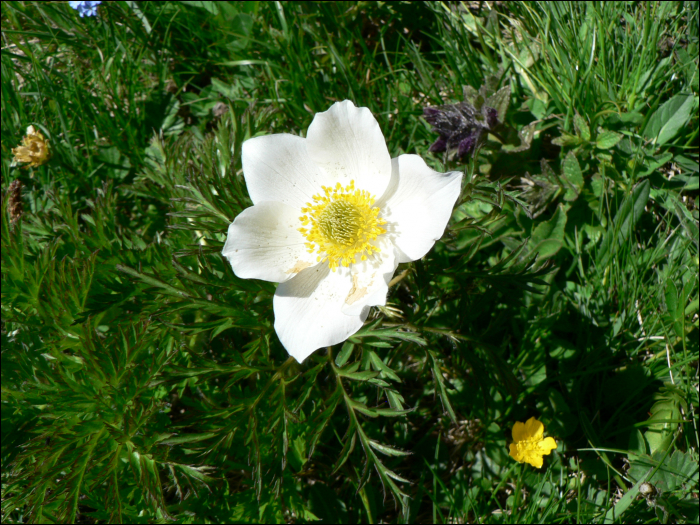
x: 340, y: 224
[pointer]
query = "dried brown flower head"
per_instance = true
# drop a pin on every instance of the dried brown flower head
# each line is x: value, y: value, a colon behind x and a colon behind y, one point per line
x: 34, y: 150
x: 14, y: 201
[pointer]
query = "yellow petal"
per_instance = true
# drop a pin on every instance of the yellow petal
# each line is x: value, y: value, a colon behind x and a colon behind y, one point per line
x: 515, y: 453
x: 535, y: 460
x: 519, y: 432
x: 547, y: 445
x: 534, y: 429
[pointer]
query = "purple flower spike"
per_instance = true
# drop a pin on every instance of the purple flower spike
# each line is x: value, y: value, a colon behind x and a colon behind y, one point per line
x: 491, y: 117
x: 439, y: 145
x: 467, y: 145
x: 461, y: 126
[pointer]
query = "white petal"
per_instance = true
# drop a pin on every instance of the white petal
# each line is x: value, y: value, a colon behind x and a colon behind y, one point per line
x: 278, y: 168
x: 349, y: 145
x: 263, y: 243
x: 308, y: 311
x: 370, y: 279
x: 417, y: 205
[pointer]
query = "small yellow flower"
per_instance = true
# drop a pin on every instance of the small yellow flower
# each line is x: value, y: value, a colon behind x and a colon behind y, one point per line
x: 528, y: 445
x: 34, y: 149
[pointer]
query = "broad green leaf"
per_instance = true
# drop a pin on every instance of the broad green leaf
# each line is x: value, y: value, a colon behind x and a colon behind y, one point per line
x: 573, y: 178
x: 673, y: 471
x: 669, y: 118
x: 663, y: 423
x: 582, y: 128
x: 607, y: 139
x: 637, y: 444
x: 681, y: 469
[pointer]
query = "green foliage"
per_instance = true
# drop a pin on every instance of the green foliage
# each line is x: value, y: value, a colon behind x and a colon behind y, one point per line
x: 142, y: 381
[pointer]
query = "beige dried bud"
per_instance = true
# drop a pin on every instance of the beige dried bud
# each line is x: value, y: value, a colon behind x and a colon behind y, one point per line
x: 34, y: 150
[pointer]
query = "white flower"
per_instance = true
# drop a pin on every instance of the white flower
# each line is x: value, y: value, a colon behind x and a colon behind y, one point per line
x: 333, y: 215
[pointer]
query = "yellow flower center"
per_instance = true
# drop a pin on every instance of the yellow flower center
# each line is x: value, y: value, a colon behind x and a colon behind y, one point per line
x: 340, y: 224
x: 528, y: 448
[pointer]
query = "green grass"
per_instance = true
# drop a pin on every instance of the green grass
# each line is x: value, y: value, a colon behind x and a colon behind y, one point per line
x: 142, y: 381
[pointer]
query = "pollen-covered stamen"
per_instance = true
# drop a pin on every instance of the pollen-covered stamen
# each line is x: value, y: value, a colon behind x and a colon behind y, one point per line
x: 340, y: 221
x: 340, y: 225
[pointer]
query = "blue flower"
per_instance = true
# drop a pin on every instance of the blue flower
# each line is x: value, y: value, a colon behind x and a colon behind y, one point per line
x: 85, y: 8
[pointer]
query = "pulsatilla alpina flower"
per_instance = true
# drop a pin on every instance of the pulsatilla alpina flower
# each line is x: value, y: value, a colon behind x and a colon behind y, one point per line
x: 528, y: 444
x: 34, y: 149
x: 333, y: 215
